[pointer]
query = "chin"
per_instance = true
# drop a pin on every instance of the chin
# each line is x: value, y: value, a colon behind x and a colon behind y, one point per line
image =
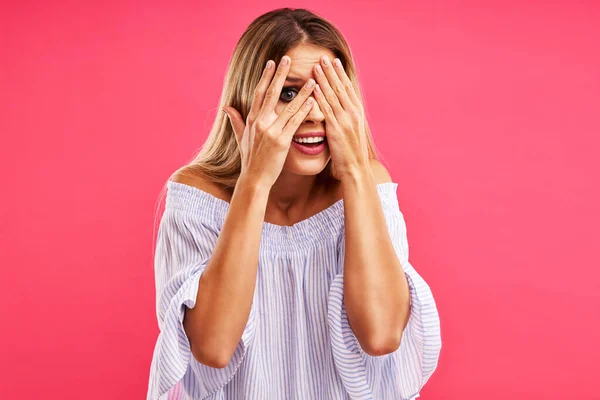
x: 301, y: 164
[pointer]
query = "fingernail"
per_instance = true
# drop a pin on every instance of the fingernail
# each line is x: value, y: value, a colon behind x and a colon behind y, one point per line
x: 284, y: 60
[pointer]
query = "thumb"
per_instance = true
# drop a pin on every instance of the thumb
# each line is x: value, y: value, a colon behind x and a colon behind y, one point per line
x: 236, y: 121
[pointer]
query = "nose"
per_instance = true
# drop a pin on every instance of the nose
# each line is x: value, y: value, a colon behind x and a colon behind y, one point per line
x: 315, y: 115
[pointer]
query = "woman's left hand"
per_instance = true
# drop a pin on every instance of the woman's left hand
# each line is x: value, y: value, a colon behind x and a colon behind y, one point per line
x: 344, y: 118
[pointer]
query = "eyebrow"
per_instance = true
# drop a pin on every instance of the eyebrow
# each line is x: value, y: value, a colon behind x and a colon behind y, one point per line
x: 293, y: 79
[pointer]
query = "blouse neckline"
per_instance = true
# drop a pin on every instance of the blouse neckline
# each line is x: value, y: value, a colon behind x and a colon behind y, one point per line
x: 322, y: 226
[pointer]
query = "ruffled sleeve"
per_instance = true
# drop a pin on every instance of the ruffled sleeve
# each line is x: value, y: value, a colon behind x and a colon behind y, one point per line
x: 402, y: 373
x: 184, y: 245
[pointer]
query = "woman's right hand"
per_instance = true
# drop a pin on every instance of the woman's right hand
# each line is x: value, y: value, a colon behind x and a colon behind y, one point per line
x: 264, y: 139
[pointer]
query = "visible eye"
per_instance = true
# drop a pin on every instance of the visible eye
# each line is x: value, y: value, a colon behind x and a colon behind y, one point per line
x: 286, y: 91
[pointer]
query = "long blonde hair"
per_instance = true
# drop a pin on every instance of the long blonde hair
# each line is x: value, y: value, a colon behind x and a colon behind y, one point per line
x: 268, y: 37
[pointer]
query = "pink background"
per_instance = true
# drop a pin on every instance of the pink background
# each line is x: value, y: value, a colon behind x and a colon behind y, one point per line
x: 487, y: 117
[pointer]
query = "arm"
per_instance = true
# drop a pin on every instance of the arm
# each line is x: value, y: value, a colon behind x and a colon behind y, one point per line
x: 376, y: 291
x: 227, y: 285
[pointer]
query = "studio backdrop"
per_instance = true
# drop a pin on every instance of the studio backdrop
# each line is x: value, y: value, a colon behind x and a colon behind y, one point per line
x: 485, y: 114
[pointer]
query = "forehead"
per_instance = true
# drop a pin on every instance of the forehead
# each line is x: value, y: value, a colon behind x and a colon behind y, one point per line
x: 304, y: 57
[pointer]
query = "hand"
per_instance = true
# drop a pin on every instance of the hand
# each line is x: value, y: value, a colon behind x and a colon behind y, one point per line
x: 264, y: 139
x: 344, y: 119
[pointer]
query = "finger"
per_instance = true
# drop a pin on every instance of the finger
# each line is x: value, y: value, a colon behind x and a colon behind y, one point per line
x: 292, y: 125
x: 347, y: 83
x: 325, y: 107
x: 237, y: 122
x: 274, y: 90
x: 336, y: 84
x: 324, y: 72
x: 293, y: 106
x: 260, y: 90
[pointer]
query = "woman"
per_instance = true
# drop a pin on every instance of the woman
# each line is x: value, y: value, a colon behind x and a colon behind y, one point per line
x: 281, y: 264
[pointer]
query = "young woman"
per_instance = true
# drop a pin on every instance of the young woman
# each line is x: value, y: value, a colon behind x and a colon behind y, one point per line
x: 281, y: 264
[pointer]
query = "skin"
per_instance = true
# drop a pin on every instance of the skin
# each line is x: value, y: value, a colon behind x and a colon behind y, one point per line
x: 376, y: 292
x: 292, y: 197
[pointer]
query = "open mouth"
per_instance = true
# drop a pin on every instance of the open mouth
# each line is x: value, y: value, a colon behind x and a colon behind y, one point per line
x: 311, y: 144
x: 310, y: 147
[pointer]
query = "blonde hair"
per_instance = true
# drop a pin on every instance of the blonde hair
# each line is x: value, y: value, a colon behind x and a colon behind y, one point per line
x: 268, y: 37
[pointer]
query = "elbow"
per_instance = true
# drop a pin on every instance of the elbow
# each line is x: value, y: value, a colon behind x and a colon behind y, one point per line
x: 211, y: 359
x: 381, y: 347
x: 204, y: 350
x: 207, y: 352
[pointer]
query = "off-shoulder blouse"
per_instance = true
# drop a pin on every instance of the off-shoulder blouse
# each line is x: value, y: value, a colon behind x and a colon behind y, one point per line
x: 297, y: 343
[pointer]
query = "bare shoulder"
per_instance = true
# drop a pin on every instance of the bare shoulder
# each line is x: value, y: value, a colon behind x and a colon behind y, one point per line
x: 380, y: 172
x: 203, y: 183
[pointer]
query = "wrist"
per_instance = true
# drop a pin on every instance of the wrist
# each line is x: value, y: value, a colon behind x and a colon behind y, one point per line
x: 358, y: 176
x: 252, y: 187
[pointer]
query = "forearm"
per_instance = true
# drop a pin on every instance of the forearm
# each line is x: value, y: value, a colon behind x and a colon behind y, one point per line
x: 227, y: 285
x: 376, y: 292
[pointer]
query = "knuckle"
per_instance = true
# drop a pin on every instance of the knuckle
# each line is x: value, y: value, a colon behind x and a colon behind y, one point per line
x: 259, y: 91
x: 292, y: 108
x: 260, y: 125
x: 270, y: 92
x: 339, y: 88
x: 348, y: 86
x: 295, y: 120
x: 280, y: 142
x: 270, y: 132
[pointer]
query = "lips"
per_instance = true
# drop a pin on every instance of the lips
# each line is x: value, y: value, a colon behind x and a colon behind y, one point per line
x: 310, y: 150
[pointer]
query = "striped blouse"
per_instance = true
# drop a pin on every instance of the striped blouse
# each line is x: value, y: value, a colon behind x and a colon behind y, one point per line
x: 297, y: 343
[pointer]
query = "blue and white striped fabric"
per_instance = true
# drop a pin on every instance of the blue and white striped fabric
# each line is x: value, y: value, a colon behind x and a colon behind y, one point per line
x: 297, y: 343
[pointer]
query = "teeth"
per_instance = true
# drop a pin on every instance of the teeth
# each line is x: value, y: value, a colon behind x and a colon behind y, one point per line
x: 310, y: 140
